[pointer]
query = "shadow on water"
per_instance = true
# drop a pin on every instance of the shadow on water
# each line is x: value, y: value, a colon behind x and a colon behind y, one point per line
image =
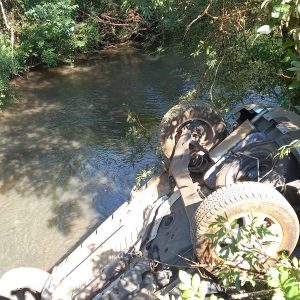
x: 64, y: 162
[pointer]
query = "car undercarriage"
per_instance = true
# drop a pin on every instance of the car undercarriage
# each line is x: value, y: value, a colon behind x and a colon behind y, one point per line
x: 239, y: 178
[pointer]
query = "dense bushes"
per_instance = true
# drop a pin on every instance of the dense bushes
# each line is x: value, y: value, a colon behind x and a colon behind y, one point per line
x: 39, y: 31
x: 8, y: 66
x: 47, y: 32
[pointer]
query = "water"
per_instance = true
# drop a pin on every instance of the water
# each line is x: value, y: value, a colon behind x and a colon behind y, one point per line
x: 64, y: 163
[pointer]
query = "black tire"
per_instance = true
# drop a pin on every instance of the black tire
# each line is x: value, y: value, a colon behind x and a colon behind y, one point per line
x: 236, y: 200
x: 215, y: 126
x: 244, y: 166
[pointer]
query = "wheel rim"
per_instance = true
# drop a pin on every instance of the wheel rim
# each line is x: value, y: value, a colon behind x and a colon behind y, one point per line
x: 265, y: 247
x: 190, y: 112
x: 201, y: 132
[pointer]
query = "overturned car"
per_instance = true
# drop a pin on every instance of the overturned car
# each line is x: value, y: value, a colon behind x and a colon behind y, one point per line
x: 166, y: 224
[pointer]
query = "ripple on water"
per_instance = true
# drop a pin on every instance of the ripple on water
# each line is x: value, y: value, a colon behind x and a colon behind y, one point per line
x: 64, y: 163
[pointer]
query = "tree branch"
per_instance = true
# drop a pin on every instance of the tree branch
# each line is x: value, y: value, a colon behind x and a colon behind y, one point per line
x: 198, y: 17
x: 4, y: 16
x: 8, y: 27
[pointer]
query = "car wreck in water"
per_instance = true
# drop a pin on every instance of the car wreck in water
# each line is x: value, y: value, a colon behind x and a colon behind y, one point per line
x: 137, y: 251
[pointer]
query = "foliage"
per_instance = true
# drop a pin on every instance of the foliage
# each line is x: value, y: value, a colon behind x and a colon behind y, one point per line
x: 136, y: 130
x: 286, y: 149
x: 115, y: 21
x: 284, y: 278
x: 193, y: 288
x: 241, y: 254
x: 220, y: 34
x: 138, y: 137
x: 8, y: 66
x: 283, y: 23
x: 87, y: 36
x: 239, y: 263
x: 47, y: 34
x: 282, y: 281
x: 142, y: 176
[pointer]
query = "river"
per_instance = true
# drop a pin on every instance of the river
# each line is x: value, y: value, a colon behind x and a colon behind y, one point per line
x: 65, y: 165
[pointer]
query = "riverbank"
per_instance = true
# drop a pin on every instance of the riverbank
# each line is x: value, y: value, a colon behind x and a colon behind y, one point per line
x: 232, y: 56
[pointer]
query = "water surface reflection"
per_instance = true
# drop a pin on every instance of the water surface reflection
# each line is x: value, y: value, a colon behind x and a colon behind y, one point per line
x: 64, y: 163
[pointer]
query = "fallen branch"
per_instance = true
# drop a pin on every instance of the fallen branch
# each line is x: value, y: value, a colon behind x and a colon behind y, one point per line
x: 112, y: 21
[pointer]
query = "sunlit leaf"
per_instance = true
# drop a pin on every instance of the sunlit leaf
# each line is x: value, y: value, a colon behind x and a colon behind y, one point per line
x: 185, y: 278
x: 275, y: 14
x: 292, y: 291
x: 196, y: 281
x: 184, y: 287
x: 188, y: 293
x: 278, y: 295
x: 273, y: 279
x: 203, y: 289
x: 295, y: 262
x: 265, y: 29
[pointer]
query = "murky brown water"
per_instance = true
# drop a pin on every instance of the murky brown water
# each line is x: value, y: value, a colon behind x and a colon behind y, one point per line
x: 64, y: 164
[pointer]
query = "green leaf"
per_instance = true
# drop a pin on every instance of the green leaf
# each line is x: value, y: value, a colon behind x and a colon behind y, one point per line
x: 296, y: 63
x: 278, y: 295
x: 288, y: 43
x: 210, y: 235
x: 185, y: 278
x: 188, y: 293
x: 290, y: 282
x: 275, y: 14
x: 237, y: 284
x: 221, y: 219
x: 273, y: 278
x: 294, y: 69
x: 196, y: 281
x: 294, y: 85
x: 203, y: 289
x: 285, y: 7
x: 233, y: 224
x: 295, y: 262
x: 183, y: 287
